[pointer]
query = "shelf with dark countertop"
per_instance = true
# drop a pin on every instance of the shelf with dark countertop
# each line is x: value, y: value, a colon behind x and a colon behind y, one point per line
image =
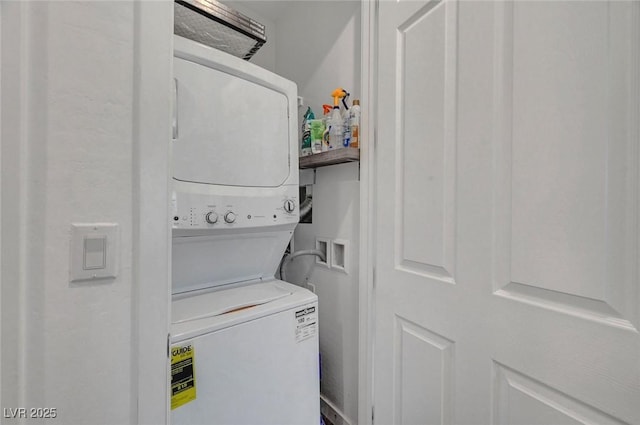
x: 332, y: 157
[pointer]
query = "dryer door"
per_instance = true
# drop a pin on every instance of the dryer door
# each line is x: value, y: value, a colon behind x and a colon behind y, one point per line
x: 230, y: 131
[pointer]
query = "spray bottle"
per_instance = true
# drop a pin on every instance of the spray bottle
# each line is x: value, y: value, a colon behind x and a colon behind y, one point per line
x: 326, y: 110
x: 335, y: 122
x: 346, y: 136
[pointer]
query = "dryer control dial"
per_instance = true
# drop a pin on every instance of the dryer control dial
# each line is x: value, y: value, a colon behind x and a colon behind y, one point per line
x: 230, y: 217
x: 289, y: 206
x: 211, y: 217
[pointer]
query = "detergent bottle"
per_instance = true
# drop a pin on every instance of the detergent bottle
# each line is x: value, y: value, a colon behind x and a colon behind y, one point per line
x: 319, y: 134
x: 305, y: 148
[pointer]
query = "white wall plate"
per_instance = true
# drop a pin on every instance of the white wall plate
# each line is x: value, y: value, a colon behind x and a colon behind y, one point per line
x: 93, y: 251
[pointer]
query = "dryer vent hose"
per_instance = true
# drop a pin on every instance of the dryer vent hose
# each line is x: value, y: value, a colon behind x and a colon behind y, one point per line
x: 305, y: 207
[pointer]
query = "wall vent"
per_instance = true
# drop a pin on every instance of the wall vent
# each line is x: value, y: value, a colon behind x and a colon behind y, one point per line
x: 219, y: 26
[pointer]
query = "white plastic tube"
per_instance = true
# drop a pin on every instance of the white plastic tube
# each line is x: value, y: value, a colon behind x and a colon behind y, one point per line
x: 288, y: 258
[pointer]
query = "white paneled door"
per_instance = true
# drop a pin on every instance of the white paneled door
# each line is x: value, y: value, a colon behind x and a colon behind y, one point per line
x: 507, y: 213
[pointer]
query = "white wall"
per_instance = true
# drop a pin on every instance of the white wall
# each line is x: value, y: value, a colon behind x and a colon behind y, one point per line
x: 318, y: 47
x: 85, y: 129
x: 335, y: 217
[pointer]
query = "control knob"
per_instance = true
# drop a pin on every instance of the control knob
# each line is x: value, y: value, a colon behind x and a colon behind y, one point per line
x: 230, y: 217
x: 289, y: 206
x: 211, y: 217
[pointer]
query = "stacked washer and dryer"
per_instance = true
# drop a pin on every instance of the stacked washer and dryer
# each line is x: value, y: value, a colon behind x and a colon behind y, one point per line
x: 252, y: 339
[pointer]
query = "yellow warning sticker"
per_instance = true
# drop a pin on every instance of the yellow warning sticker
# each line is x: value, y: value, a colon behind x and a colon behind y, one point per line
x: 183, y: 375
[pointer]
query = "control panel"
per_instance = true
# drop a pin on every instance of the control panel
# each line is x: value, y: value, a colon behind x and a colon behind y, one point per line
x: 208, y: 211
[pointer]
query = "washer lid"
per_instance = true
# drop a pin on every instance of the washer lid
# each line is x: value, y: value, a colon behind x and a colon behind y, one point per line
x: 225, y: 301
x: 185, y: 309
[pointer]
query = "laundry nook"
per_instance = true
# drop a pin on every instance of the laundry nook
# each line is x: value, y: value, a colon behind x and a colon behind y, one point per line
x: 320, y: 212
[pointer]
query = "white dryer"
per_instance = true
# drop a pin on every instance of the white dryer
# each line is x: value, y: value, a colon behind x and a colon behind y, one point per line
x: 244, y: 345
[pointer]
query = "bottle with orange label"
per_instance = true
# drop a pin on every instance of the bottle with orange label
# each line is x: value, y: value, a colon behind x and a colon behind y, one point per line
x: 354, y: 122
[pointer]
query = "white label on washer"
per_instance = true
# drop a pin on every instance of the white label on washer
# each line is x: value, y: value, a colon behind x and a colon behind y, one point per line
x: 306, y: 323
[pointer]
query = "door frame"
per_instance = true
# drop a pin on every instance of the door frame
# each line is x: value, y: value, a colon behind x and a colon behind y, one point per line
x: 151, y: 310
x: 366, y: 296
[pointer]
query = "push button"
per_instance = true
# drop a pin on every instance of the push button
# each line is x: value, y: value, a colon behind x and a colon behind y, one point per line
x: 95, y: 252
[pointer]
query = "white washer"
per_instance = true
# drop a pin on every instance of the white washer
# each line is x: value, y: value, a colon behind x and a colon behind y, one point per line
x: 253, y: 365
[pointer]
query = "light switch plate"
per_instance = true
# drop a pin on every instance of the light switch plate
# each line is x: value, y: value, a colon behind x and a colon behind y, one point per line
x: 93, y: 251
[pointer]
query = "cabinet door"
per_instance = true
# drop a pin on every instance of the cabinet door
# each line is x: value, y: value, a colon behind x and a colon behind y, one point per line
x: 507, y: 213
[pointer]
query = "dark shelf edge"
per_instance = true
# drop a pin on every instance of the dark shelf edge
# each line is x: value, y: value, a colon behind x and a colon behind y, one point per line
x: 338, y: 156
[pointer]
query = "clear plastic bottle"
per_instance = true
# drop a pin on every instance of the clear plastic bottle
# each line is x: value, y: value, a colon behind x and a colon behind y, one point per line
x: 335, y: 124
x: 346, y: 120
